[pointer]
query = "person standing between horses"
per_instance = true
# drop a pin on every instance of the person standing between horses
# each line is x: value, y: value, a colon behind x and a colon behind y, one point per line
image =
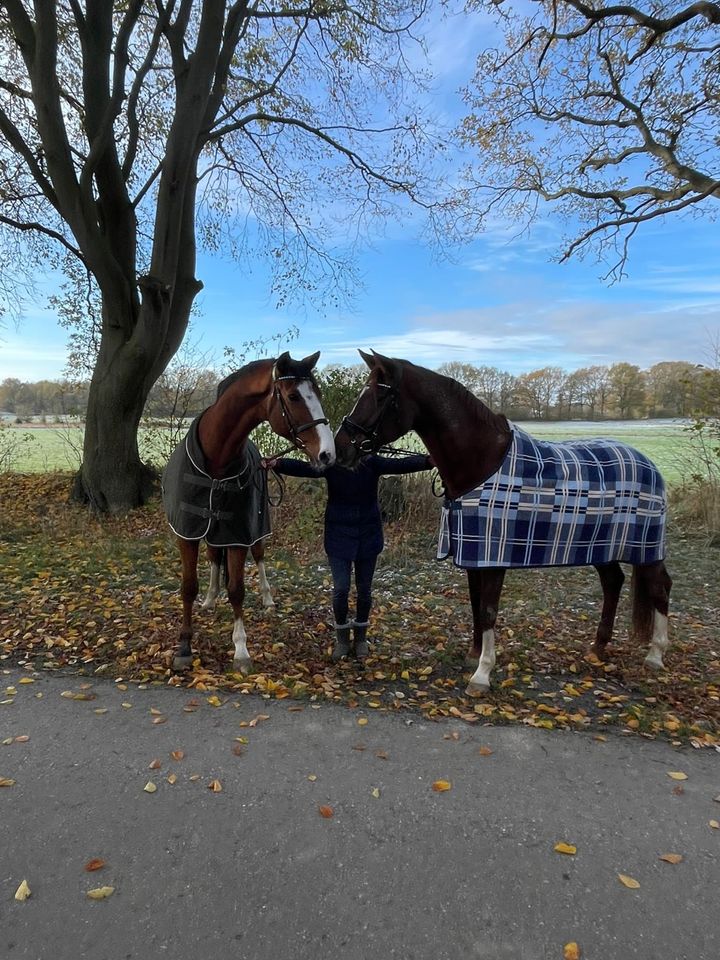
x: 353, y: 535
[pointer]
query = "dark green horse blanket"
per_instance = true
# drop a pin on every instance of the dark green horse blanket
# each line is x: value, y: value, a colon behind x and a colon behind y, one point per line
x: 229, y: 512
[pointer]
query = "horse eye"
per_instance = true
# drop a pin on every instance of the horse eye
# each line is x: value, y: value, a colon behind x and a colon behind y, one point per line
x: 294, y: 396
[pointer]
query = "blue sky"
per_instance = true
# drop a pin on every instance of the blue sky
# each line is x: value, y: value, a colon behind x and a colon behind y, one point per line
x: 501, y: 301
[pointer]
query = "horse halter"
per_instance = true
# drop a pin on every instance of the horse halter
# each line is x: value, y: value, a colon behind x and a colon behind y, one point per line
x: 370, y: 442
x: 293, y: 429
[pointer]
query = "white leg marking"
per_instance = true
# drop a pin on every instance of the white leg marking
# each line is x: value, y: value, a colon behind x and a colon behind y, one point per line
x: 659, y: 642
x: 267, y: 597
x: 242, y: 657
x: 480, y: 680
x: 324, y: 433
x: 213, y: 588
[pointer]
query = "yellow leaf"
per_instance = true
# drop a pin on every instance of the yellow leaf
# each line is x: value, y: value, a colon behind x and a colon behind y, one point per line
x: 26, y: 680
x: 149, y: 787
x: 362, y: 721
x: 571, y: 951
x: 23, y: 891
x: 171, y: 778
x: 7, y: 782
x: 126, y: 705
x: 214, y: 701
x: 714, y: 824
x: 671, y: 857
x: 312, y: 777
x: 568, y: 848
x: 215, y: 786
x: 155, y: 712
x: 440, y: 786
x: 101, y: 893
x: 677, y: 775
x: 375, y: 792
x: 628, y: 881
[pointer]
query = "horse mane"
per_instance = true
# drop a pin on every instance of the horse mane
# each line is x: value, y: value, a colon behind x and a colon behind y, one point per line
x: 472, y: 404
x: 237, y: 375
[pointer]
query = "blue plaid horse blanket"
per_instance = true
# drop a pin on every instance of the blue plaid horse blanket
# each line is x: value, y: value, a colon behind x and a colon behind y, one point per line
x: 574, y: 503
x: 230, y: 512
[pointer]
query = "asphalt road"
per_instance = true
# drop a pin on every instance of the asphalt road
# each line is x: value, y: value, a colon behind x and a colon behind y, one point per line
x: 253, y: 870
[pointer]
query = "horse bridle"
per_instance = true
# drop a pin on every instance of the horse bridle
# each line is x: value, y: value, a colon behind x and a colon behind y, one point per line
x: 369, y: 433
x: 293, y: 429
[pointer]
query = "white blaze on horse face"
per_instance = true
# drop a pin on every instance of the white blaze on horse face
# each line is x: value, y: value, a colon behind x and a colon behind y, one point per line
x: 213, y: 588
x: 326, y: 441
x: 480, y: 680
x: 265, y: 591
x: 659, y: 642
x: 242, y: 657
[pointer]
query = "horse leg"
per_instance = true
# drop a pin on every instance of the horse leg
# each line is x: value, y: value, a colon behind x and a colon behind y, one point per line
x: 485, y: 588
x: 611, y: 580
x: 651, y: 599
x: 236, y: 595
x: 214, y: 555
x: 188, y: 591
x: 258, y: 552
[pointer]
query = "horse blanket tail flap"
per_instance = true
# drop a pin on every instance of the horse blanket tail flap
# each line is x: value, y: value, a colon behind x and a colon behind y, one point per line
x: 230, y: 512
x: 574, y: 503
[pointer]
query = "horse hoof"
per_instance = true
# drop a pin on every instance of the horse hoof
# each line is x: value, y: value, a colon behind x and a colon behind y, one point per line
x: 181, y: 664
x: 654, y: 663
x: 242, y: 666
x: 476, y: 689
x: 207, y: 607
x: 269, y: 604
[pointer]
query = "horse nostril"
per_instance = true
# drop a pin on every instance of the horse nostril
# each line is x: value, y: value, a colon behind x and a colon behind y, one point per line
x: 324, y: 457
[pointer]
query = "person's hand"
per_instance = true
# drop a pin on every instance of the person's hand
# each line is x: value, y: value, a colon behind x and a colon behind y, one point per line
x: 269, y: 463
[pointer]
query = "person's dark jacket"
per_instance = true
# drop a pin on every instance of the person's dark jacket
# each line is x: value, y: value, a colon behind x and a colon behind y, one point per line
x: 353, y: 524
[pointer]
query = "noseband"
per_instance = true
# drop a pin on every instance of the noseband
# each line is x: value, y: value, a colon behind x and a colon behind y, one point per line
x: 293, y: 429
x: 369, y: 434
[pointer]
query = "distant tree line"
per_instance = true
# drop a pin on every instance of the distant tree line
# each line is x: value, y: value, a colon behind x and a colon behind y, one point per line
x: 619, y: 391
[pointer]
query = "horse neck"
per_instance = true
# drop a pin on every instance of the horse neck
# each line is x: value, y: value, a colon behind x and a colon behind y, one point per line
x: 225, y: 426
x: 467, y: 441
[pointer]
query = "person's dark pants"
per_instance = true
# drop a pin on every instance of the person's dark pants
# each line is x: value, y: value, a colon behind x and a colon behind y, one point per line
x: 341, y: 573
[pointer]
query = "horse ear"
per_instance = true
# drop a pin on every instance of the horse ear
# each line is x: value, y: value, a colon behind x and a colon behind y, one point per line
x: 281, y: 365
x: 387, y: 366
x: 310, y: 361
x: 369, y: 360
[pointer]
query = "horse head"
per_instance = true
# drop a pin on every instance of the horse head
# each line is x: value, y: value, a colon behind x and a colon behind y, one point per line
x: 382, y: 413
x: 295, y: 408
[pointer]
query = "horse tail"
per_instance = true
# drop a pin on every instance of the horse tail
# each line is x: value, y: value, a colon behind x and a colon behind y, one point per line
x: 223, y: 561
x: 643, y: 607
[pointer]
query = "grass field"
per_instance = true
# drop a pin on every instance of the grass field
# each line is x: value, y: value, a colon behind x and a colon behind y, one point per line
x: 664, y: 441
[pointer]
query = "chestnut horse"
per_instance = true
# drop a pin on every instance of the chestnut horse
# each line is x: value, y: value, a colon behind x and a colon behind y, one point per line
x: 223, y: 470
x: 592, y: 502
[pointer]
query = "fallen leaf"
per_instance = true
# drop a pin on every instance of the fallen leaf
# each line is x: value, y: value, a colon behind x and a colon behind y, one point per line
x: 215, y: 786
x: 149, y: 787
x: 326, y: 812
x: 440, y: 786
x: 679, y: 790
x: 6, y: 782
x: 677, y: 775
x: 600, y: 738
x: 312, y: 777
x: 101, y: 893
x: 568, y: 848
x: 362, y: 721
x: 177, y: 754
x: 485, y: 751
x: 154, y: 764
x: 23, y: 891
x: 237, y: 749
x: 160, y: 720
x: 381, y: 755
x: 155, y: 712
x: 171, y: 778
x: 671, y: 857
x: 375, y: 792
x: 21, y: 739
x: 628, y: 881
x: 194, y: 776
x: 95, y: 864
x: 26, y: 680
x: 714, y: 824
x: 571, y: 951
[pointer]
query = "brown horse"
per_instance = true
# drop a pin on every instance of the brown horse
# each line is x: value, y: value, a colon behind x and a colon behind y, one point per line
x: 215, y: 489
x: 592, y: 502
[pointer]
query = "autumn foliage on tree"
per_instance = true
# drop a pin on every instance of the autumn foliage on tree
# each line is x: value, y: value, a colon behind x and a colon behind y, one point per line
x: 132, y: 131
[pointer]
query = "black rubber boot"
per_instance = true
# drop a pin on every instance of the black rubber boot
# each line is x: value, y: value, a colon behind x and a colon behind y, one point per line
x: 362, y: 648
x: 343, y: 643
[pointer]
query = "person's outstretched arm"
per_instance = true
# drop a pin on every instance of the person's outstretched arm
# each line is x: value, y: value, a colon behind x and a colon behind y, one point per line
x: 290, y: 467
x: 385, y: 466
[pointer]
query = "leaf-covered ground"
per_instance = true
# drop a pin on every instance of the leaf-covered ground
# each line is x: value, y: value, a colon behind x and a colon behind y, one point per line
x: 100, y: 596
